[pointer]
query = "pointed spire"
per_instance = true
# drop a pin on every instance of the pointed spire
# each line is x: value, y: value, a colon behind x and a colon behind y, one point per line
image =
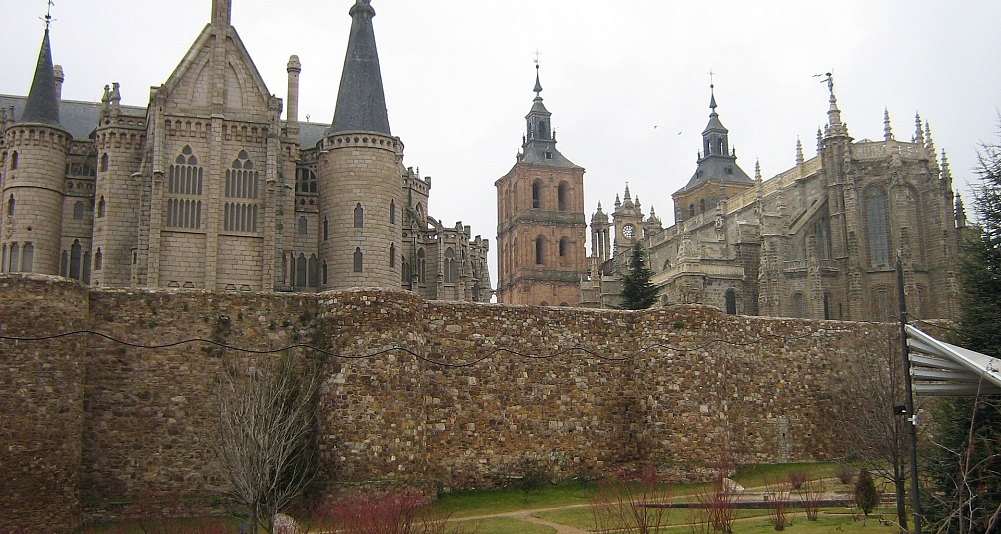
x: 960, y: 212
x: 617, y: 201
x: 919, y: 136
x: 820, y: 140
x: 929, y: 142
x: 538, y: 83
x: 42, y: 106
x: 946, y: 172
x: 799, y: 152
x: 361, y: 99
x: 887, y: 129
x: 599, y: 205
x: 757, y: 170
x: 712, y: 97
x: 627, y: 198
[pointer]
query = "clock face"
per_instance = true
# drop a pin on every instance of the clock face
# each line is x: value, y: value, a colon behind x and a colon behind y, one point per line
x: 629, y: 231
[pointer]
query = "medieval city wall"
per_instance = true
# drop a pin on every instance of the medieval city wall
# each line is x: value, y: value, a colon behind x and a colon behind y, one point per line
x: 423, y: 392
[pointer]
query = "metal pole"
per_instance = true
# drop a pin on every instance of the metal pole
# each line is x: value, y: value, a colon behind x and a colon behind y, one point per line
x: 912, y: 417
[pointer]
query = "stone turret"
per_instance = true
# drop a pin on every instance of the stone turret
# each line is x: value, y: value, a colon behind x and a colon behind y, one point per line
x: 37, y: 146
x: 359, y: 172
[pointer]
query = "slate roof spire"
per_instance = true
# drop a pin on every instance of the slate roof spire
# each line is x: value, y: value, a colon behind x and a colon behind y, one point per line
x: 361, y: 100
x: 42, y: 106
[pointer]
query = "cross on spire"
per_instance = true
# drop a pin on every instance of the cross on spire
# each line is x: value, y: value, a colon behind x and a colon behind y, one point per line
x: 48, y: 15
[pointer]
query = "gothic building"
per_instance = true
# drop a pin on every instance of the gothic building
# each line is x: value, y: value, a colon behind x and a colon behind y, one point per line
x: 818, y: 240
x: 541, y: 229
x: 208, y: 187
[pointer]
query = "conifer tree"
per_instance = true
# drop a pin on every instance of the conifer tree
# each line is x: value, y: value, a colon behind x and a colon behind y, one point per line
x: 638, y: 291
x: 866, y: 497
x: 964, y: 466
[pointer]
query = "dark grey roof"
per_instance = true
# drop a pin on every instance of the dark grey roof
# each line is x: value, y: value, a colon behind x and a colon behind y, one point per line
x: 77, y: 118
x: 310, y: 133
x: 714, y: 123
x: 42, y: 106
x: 361, y: 100
x: 534, y: 153
x: 714, y: 169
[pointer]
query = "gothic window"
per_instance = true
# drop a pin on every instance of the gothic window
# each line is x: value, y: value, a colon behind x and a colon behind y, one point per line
x: 98, y: 260
x: 184, y: 213
x: 543, y: 130
x: 827, y: 306
x: 10, y: 206
x: 359, y: 260
x: 881, y: 304
x: 76, y: 257
x: 731, y: 302
x: 879, y: 246
x: 823, y: 236
x: 421, y: 266
x: 185, y: 177
x: 240, y: 217
x: 14, y: 160
x: 15, y: 258
x: 242, y: 179
x: 540, y: 250
x: 78, y: 210
x: 799, y: 304
x: 303, y: 226
x: 449, y: 266
x: 405, y: 272
x: 300, y: 271
x: 536, y: 194
x: 104, y: 162
x: 314, y: 271
x: 420, y: 211
x: 101, y: 206
x: 561, y: 197
x: 359, y: 216
x: 27, y: 257
x: 563, y: 247
x: 392, y: 255
x: 392, y: 212
x: 326, y: 229
x: 306, y: 180
x: 324, y: 269
x: 702, y: 206
x: 64, y: 266
x: 3, y: 260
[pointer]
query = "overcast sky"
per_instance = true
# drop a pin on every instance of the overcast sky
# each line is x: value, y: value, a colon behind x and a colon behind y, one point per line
x: 627, y: 81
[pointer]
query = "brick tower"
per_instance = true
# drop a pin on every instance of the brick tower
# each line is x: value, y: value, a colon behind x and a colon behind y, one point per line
x: 32, y: 194
x: 541, y: 225
x: 359, y: 173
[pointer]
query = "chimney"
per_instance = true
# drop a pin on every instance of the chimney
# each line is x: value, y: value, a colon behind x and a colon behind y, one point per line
x: 292, y: 119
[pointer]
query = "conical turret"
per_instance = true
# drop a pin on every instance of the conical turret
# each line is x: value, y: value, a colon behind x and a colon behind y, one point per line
x: 42, y: 106
x: 361, y: 100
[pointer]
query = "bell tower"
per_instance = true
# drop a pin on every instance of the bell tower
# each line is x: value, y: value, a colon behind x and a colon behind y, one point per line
x: 541, y: 224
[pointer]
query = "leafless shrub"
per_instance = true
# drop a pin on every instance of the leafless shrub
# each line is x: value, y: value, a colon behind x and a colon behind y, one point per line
x: 778, y: 505
x: 631, y: 505
x: 844, y: 473
x: 810, y: 494
x: 797, y: 476
x: 715, y: 506
x: 398, y: 512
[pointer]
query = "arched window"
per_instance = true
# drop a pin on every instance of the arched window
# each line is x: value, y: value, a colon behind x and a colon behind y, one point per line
x: 314, y: 271
x: 13, y: 161
x: 449, y: 266
x: 98, y: 260
x: 303, y: 226
x: 15, y: 258
x: 27, y: 258
x: 359, y: 216
x: 392, y: 212
x: 540, y: 245
x: 827, y: 306
x: 101, y: 207
x: 421, y: 266
x: 561, y: 197
x: 242, y: 179
x: 300, y: 271
x: 536, y: 194
x: 306, y: 180
x: 185, y: 177
x: 392, y: 255
x: 731, y: 302
x: 324, y: 268
x: 76, y: 258
x: 404, y: 271
x: 104, y: 162
x: 64, y: 266
x: 691, y: 210
x: 326, y: 229
x: 563, y: 247
x: 10, y: 206
x: 702, y: 206
x: 875, y: 209
x: 3, y: 260
x: 359, y: 260
x: 799, y: 304
x: 78, y: 210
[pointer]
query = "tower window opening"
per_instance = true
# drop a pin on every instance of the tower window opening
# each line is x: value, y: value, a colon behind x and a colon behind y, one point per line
x: 449, y: 274
x: 702, y: 206
x: 392, y: 255
x: 392, y: 212
x: 359, y: 216
x: 303, y: 226
x: 691, y: 210
x: 800, y: 305
x: 549, y: 155
x: 731, y: 302
x: 561, y: 197
x: 27, y: 258
x: 314, y: 271
x: 98, y: 260
x: 105, y: 159
x: 10, y: 206
x: 563, y: 247
x: 540, y: 250
x: 76, y: 257
x: 326, y: 229
x: 300, y: 271
x: 101, y: 207
x: 15, y: 258
x: 421, y: 266
x: 359, y: 260
x: 78, y: 210
x: 324, y: 268
x: 536, y: 194
x: 14, y: 160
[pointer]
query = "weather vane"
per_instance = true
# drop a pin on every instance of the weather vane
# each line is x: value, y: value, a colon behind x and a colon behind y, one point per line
x: 711, y: 74
x: 48, y: 15
x: 537, y: 54
x: 829, y: 80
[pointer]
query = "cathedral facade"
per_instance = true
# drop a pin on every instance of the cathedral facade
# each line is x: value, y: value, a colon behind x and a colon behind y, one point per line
x: 819, y: 240
x: 209, y: 187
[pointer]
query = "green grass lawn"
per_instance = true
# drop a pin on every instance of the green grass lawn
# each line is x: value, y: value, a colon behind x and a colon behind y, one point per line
x: 507, y: 525
x: 582, y: 518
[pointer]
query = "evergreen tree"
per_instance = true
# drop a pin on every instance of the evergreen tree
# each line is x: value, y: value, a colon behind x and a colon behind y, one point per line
x: 964, y: 467
x: 866, y: 497
x: 638, y: 292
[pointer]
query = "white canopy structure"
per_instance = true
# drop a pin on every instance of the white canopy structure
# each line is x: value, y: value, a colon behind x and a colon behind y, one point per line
x: 941, y: 369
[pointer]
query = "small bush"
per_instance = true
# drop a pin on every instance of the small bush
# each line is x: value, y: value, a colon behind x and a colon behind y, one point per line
x: 797, y: 477
x: 866, y: 496
x: 534, y: 477
x: 844, y: 474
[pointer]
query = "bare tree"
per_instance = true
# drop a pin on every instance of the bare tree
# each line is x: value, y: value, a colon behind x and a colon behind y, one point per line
x: 636, y: 506
x: 265, y: 448
x: 875, y: 433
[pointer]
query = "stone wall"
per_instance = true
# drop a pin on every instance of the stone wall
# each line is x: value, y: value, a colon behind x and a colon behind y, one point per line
x: 431, y: 393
